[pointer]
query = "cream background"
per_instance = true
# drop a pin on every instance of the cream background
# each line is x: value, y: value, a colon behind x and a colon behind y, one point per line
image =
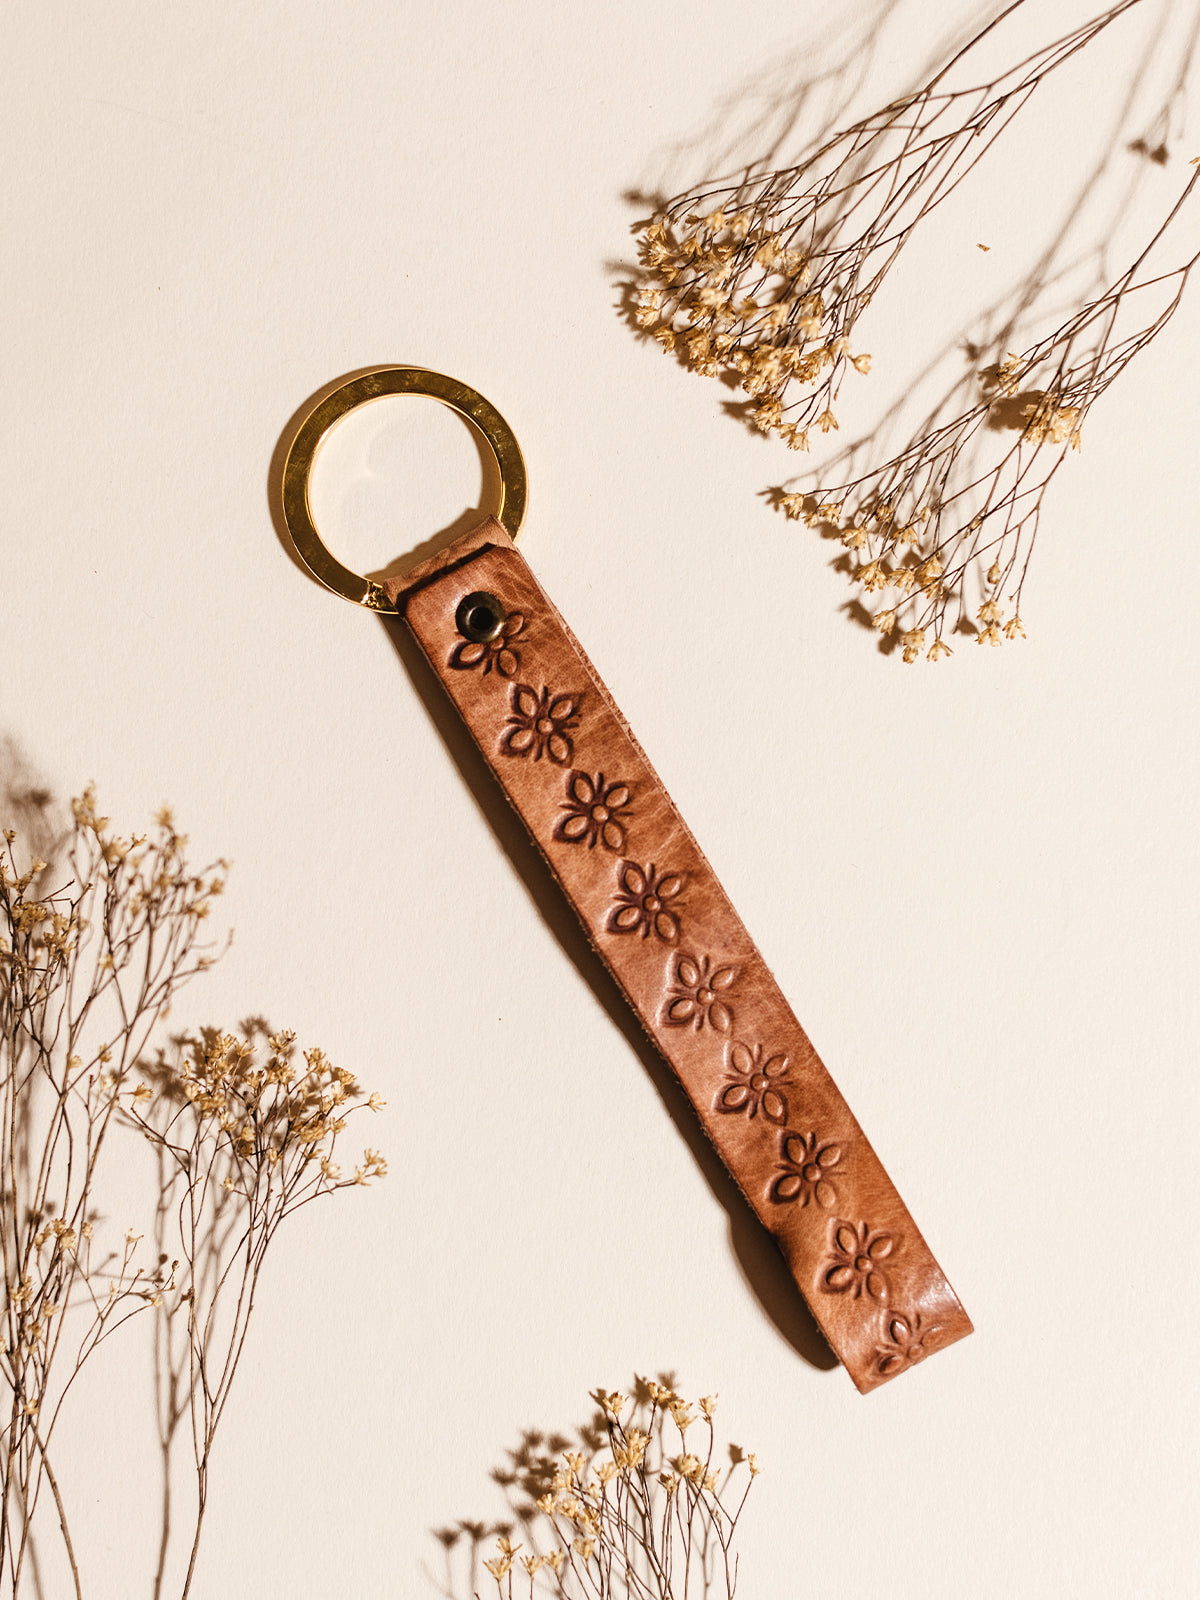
x: 977, y: 883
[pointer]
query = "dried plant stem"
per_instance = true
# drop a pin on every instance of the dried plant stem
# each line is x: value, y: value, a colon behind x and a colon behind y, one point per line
x: 62, y: 1522
x: 87, y: 971
x: 766, y: 278
x: 762, y: 281
x: 633, y: 1514
x: 920, y: 523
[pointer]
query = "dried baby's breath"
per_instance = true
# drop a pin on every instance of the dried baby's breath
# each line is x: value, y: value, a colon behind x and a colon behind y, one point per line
x: 631, y: 1511
x: 762, y: 282
x: 939, y: 537
x: 92, y: 953
x: 766, y: 278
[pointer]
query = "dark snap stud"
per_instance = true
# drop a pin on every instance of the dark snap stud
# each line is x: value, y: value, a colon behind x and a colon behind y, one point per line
x: 480, y: 616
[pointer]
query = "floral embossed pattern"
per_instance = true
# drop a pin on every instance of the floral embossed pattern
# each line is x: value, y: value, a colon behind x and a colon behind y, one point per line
x: 909, y: 1340
x: 647, y: 902
x: 859, y: 1258
x: 695, y: 997
x: 541, y: 724
x: 595, y: 812
x: 806, y: 1171
x: 575, y: 775
x: 757, y: 1083
x: 497, y: 653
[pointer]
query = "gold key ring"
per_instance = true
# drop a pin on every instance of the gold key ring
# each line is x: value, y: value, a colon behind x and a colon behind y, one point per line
x: 376, y: 385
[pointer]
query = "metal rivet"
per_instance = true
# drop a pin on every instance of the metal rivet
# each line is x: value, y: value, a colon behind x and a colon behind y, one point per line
x: 480, y: 616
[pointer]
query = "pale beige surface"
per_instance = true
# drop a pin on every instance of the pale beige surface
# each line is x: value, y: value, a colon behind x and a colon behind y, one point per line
x: 977, y: 883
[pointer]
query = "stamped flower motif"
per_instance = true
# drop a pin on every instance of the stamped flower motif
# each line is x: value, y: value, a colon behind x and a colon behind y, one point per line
x: 858, y: 1253
x: 756, y: 1083
x: 695, y: 996
x: 909, y: 1340
x: 498, y: 653
x: 647, y: 902
x: 805, y: 1168
x: 541, y: 724
x: 594, y: 811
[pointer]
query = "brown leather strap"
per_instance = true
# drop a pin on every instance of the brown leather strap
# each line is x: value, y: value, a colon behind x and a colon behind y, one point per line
x: 660, y: 921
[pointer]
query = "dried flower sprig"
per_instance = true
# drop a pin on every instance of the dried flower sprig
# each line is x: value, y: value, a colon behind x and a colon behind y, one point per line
x: 641, y: 1507
x: 955, y: 504
x: 761, y: 282
x: 87, y: 971
x: 242, y: 1144
x: 765, y: 278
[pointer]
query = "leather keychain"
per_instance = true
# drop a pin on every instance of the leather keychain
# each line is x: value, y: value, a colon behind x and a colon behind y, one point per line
x: 649, y: 902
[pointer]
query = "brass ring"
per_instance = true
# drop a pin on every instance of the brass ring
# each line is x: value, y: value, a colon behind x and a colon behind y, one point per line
x: 315, y: 426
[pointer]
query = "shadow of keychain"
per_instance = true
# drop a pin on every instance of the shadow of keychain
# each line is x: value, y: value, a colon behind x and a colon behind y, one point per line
x: 650, y: 904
